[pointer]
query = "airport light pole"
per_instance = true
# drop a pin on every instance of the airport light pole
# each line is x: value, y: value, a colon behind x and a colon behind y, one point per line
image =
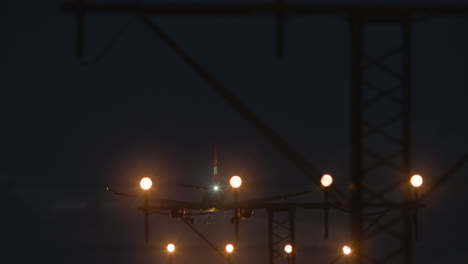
x: 236, y: 182
x: 326, y: 181
x: 146, y: 184
x: 416, y: 181
x: 229, y: 250
x: 347, y: 252
x: 288, y: 249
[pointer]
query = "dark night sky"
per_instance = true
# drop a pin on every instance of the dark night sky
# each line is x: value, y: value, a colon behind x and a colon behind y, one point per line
x: 70, y: 129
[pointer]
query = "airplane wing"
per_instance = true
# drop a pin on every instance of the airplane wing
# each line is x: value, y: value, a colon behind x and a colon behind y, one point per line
x: 192, y: 187
x: 133, y: 196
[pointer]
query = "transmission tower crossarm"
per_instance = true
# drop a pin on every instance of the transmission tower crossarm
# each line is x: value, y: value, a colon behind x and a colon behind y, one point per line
x: 242, y: 9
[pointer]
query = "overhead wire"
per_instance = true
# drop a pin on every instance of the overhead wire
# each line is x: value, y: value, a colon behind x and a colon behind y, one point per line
x: 110, y: 44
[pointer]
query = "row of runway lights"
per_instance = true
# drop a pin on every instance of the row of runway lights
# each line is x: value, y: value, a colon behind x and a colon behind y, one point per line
x: 288, y: 249
x: 236, y: 181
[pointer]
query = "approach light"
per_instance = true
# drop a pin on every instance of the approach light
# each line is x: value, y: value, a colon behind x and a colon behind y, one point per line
x: 326, y: 180
x: 416, y: 180
x: 288, y: 249
x: 229, y: 248
x: 346, y: 250
x: 170, y: 248
x: 146, y: 183
x: 235, y: 181
x: 215, y: 188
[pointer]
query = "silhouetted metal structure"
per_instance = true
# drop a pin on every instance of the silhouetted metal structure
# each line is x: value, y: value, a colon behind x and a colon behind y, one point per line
x: 381, y: 169
x: 281, y: 231
x: 381, y: 145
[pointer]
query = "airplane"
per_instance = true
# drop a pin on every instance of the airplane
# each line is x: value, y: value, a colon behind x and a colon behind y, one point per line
x: 212, y: 201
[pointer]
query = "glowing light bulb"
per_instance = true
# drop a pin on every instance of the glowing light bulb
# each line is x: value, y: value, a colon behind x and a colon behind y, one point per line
x: 326, y: 180
x: 346, y: 250
x: 229, y: 248
x: 170, y: 248
x: 288, y: 249
x: 416, y: 180
x: 235, y: 181
x: 146, y: 183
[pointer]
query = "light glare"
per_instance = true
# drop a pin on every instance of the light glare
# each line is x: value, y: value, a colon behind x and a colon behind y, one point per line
x: 288, y: 249
x: 326, y: 180
x: 416, y: 180
x: 146, y: 183
x: 346, y: 250
x: 235, y: 181
x: 170, y: 248
x: 229, y: 248
x: 215, y: 188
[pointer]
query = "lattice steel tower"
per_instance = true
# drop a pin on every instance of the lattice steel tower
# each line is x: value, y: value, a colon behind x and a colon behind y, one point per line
x: 381, y: 146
